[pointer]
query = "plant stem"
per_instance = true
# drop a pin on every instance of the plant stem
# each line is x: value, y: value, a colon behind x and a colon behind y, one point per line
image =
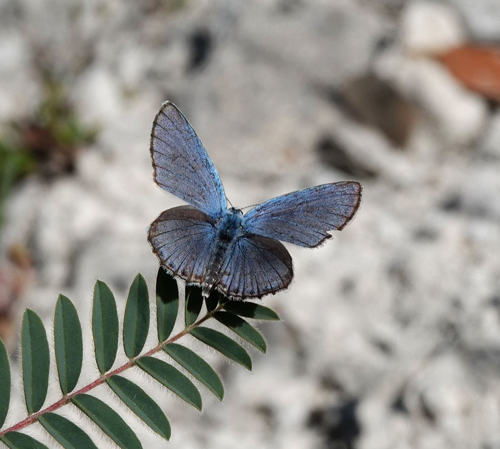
x: 102, y: 379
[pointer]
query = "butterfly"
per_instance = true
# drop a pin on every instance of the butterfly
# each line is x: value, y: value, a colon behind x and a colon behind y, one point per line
x: 220, y: 248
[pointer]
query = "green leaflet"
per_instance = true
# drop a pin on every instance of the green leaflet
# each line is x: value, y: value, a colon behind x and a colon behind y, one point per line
x: 68, y: 344
x: 104, y: 327
x: 171, y: 378
x: 136, y: 320
x: 251, y: 310
x: 4, y: 383
x: 141, y: 404
x: 167, y: 304
x: 35, y: 361
x: 67, y: 434
x: 223, y: 344
x: 108, y: 420
x: 16, y: 440
x: 243, y: 329
x: 197, y: 367
x: 194, y: 301
x: 213, y: 300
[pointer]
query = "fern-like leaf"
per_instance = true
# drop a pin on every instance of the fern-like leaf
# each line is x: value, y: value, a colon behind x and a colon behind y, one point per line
x: 105, y: 332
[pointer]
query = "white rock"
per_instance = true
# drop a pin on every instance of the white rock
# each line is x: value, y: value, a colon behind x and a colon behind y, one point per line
x: 490, y: 145
x: 430, y: 28
x: 482, y: 18
x: 97, y: 96
x: 458, y: 113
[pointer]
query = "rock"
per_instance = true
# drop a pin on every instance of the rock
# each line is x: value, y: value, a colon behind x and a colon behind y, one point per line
x: 430, y: 28
x: 490, y: 143
x: 458, y: 114
x: 376, y: 103
x: 482, y: 18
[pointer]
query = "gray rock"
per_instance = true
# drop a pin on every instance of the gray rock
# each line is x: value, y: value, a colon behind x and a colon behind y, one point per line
x: 482, y: 17
x: 430, y: 28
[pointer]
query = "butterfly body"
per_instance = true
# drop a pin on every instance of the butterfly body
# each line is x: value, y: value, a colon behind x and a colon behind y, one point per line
x: 216, y: 247
x: 228, y: 230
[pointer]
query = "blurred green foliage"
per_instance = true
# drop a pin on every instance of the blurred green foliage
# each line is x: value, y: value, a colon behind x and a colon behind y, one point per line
x: 14, y: 165
x: 46, y: 143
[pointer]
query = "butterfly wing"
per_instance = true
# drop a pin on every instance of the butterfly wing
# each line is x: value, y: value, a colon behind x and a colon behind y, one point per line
x: 305, y: 217
x: 181, y: 164
x: 182, y: 238
x: 255, y: 267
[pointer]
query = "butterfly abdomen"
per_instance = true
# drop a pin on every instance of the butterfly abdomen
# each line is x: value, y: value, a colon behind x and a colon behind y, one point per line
x: 228, y: 231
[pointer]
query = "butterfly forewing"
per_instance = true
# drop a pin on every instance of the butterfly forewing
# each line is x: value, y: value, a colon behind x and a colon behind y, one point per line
x: 256, y: 266
x: 181, y: 164
x: 305, y: 217
x: 182, y: 238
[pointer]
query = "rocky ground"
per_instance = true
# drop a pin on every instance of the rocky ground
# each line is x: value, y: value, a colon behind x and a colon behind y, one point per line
x: 391, y: 332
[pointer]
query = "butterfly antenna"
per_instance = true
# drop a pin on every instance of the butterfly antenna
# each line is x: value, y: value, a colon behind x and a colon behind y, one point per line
x: 231, y: 204
x: 249, y: 207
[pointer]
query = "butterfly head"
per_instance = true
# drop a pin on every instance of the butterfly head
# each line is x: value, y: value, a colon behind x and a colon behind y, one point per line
x: 235, y: 211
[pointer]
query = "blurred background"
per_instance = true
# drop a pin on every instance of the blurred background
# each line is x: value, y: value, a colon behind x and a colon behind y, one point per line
x: 391, y: 332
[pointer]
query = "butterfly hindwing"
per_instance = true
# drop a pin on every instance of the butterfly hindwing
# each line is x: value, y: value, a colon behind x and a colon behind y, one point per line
x: 181, y: 164
x: 305, y: 217
x: 255, y: 267
x: 182, y: 238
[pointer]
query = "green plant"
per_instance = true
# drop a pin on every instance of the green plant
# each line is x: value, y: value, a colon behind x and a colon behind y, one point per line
x: 14, y: 165
x: 46, y: 142
x: 68, y: 344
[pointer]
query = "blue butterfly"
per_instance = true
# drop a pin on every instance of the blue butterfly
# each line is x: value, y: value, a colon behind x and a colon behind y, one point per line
x: 217, y: 247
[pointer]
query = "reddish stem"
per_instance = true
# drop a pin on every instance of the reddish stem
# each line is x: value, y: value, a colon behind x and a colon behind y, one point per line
x: 66, y: 399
